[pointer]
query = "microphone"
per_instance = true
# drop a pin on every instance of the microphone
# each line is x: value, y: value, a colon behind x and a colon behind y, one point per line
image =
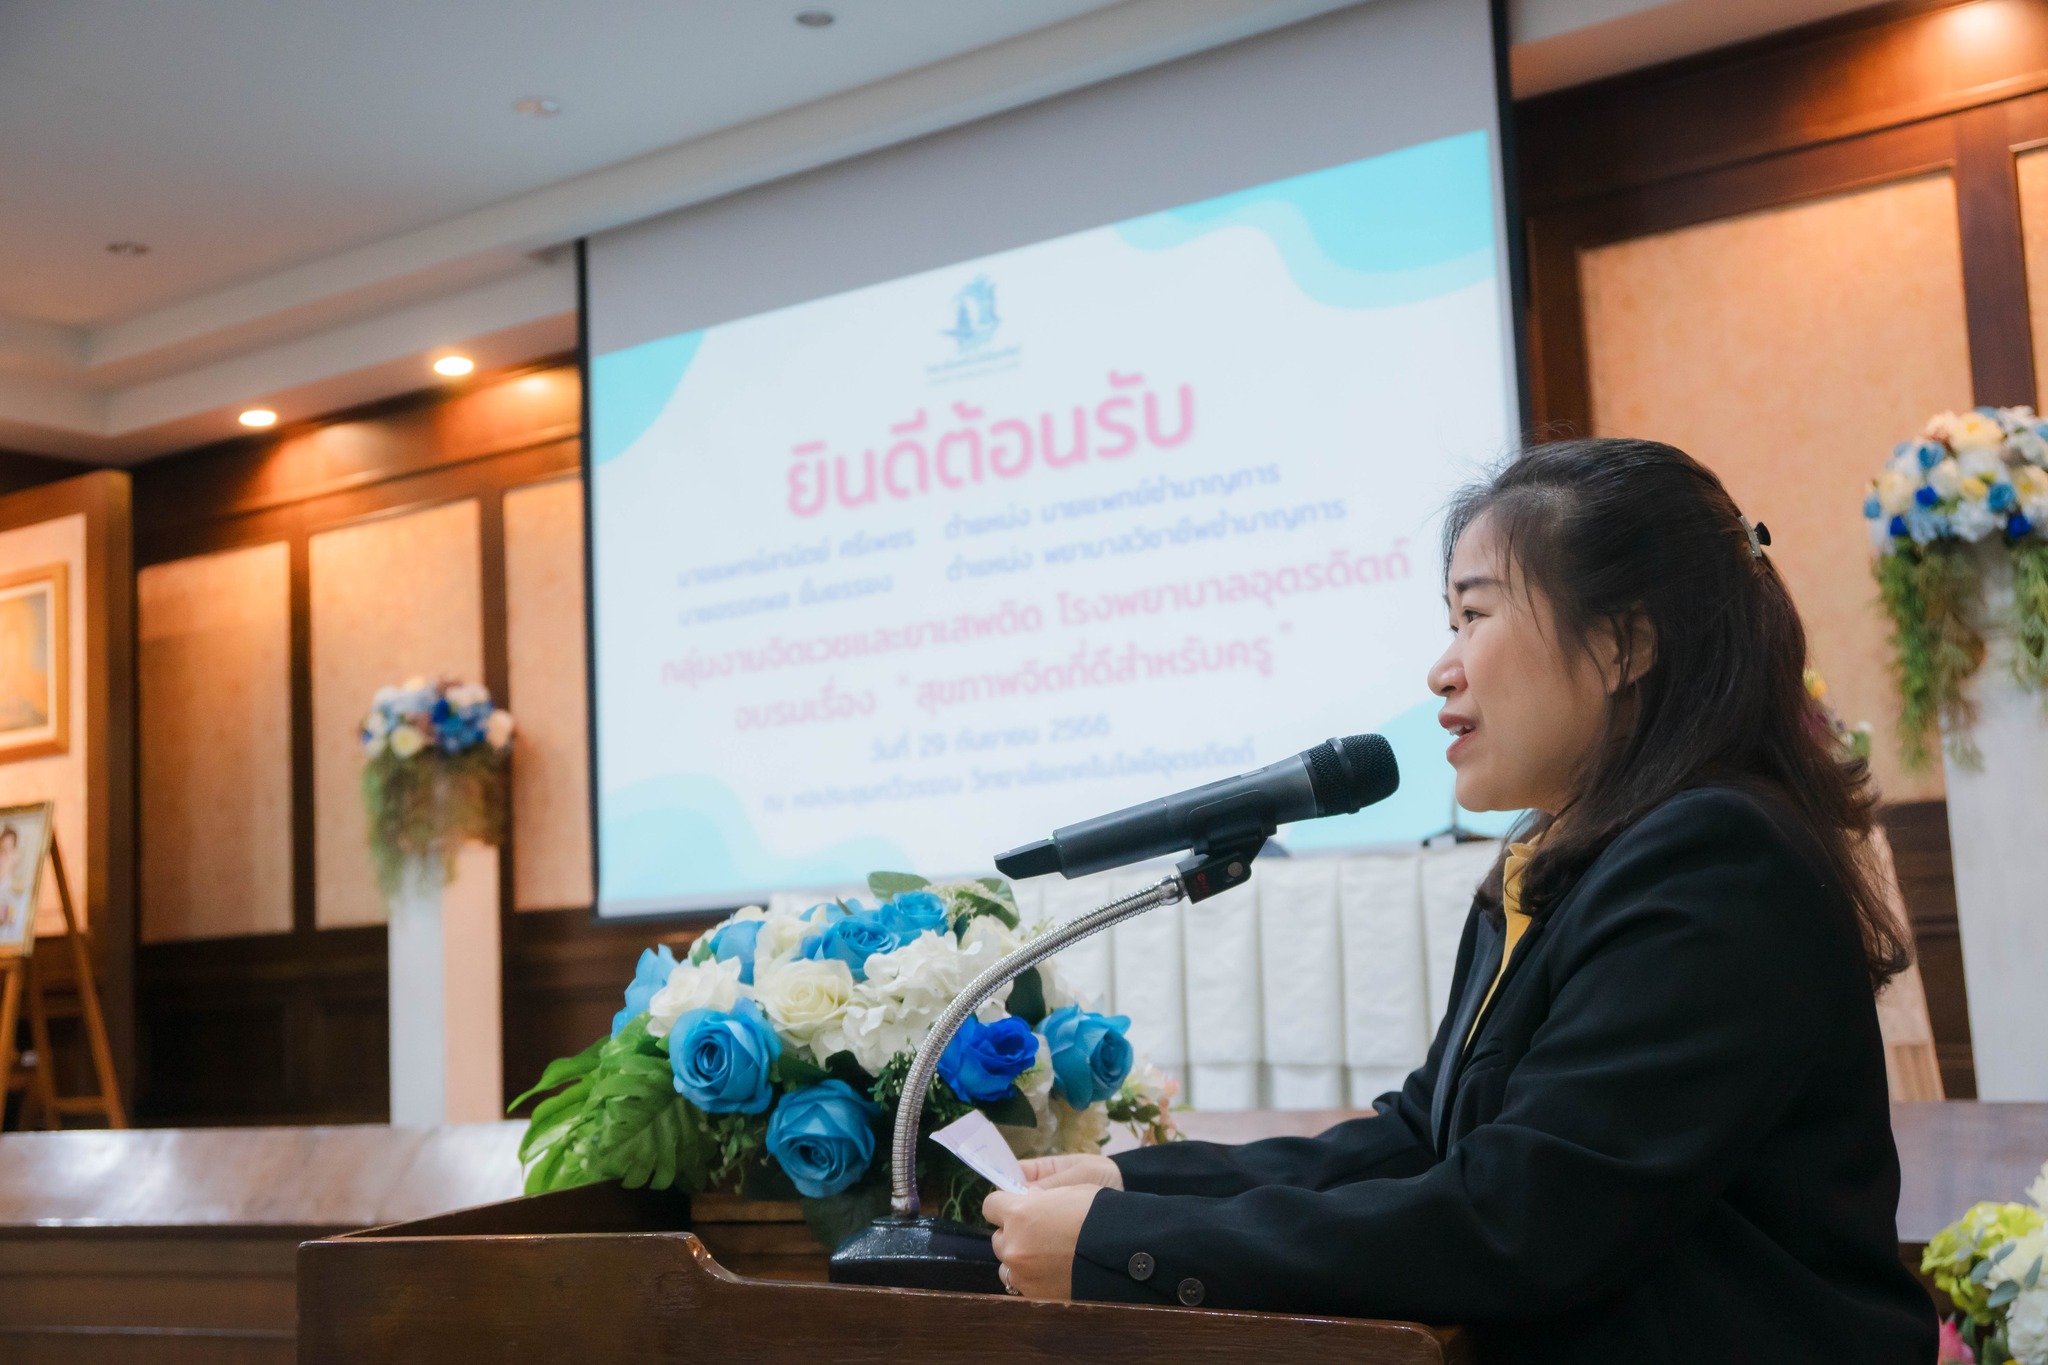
x: 1336, y: 777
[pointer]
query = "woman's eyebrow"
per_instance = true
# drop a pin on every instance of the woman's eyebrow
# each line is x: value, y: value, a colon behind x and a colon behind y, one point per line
x: 1464, y: 585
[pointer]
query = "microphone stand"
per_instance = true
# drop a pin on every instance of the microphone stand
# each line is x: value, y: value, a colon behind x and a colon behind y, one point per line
x: 910, y: 1250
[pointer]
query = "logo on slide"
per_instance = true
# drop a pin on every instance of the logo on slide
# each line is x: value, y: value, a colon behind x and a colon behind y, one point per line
x: 974, y: 315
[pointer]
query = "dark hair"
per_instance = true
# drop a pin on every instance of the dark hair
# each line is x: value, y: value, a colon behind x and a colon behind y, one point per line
x: 1614, y: 532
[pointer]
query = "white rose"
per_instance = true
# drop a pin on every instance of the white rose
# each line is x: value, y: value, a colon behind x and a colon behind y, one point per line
x: 498, y: 729
x: 805, y: 1000
x: 1974, y: 520
x: 374, y: 746
x: 712, y: 985
x: 2038, y: 1191
x: 1972, y: 431
x: 1895, y: 492
x: 782, y: 937
x: 406, y: 741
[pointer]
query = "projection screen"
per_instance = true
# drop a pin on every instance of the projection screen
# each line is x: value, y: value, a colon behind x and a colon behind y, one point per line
x: 1046, y: 465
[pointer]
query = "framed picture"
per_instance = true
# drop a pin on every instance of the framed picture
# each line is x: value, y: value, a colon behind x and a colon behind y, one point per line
x: 35, y: 659
x: 24, y: 848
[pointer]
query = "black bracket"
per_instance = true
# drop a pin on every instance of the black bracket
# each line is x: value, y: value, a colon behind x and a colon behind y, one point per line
x: 1217, y: 865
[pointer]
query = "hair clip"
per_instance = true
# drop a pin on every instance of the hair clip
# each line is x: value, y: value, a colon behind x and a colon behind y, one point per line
x: 1759, y: 536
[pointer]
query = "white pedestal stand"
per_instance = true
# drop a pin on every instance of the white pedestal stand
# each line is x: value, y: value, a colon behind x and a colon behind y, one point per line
x: 1998, y: 831
x: 446, y: 1051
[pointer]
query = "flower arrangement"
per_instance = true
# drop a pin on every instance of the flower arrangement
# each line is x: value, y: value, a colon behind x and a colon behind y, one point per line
x: 434, y: 774
x: 1969, y: 478
x: 1852, y: 743
x: 773, y: 1057
x: 1993, y: 1264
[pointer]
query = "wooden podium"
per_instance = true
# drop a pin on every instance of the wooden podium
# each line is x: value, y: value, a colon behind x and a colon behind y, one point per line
x: 601, y: 1275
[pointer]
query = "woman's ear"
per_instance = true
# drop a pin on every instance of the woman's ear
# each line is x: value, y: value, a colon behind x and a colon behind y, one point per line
x: 1631, y: 652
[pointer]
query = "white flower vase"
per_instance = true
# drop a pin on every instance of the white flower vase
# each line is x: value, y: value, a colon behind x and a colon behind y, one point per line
x: 1997, y: 819
x: 446, y: 1035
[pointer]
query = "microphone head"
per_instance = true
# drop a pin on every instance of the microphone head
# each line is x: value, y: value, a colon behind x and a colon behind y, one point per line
x: 1352, y: 773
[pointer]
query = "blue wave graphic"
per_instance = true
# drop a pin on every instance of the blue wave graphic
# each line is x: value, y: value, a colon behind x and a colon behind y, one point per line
x: 629, y: 388
x: 1409, y: 225
x: 1420, y: 808
x: 675, y: 837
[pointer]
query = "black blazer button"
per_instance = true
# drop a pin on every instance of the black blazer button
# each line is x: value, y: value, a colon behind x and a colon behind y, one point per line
x: 1141, y: 1266
x: 1191, y: 1292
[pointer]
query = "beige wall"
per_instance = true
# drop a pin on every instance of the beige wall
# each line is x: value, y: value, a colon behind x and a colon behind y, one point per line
x: 547, y: 695
x: 56, y: 777
x: 2033, y: 177
x: 1789, y: 350
x: 214, y: 678
x: 391, y: 598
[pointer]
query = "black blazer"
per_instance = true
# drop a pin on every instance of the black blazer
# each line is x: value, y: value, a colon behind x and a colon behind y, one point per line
x: 1668, y: 1140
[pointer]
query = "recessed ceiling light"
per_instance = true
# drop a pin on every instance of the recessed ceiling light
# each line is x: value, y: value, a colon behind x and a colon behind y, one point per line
x: 127, y: 248
x: 454, y: 366
x: 537, y: 106
x: 816, y: 18
x: 259, y: 417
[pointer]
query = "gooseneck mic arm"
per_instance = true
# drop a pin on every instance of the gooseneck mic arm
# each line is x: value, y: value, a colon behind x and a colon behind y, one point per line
x: 903, y: 1202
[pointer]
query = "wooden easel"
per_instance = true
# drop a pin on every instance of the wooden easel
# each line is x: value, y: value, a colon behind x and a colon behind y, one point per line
x: 23, y: 979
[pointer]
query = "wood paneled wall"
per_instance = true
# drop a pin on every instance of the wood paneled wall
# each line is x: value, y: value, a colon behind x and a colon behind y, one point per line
x: 394, y: 532
x: 1874, y: 115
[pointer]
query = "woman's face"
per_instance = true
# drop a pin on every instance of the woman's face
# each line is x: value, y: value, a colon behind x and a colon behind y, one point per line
x: 1525, y: 711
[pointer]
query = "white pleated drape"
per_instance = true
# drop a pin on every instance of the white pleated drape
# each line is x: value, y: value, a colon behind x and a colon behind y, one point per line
x: 1318, y: 985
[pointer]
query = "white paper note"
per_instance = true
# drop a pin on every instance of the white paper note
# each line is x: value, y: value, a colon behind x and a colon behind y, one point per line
x: 977, y: 1143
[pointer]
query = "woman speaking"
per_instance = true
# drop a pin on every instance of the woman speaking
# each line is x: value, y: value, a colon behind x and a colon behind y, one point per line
x: 1653, y: 1124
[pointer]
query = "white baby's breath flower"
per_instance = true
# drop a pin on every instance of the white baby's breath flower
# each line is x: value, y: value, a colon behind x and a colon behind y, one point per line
x: 374, y: 746
x: 1979, y: 464
x: 465, y: 695
x: 498, y: 729
x: 805, y: 1000
x: 712, y: 985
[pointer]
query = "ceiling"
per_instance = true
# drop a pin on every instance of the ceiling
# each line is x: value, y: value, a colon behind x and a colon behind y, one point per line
x: 332, y: 195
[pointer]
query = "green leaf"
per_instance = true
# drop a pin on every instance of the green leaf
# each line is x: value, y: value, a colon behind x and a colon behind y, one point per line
x: 1027, y: 997
x: 1013, y: 1109
x: 1000, y: 889
x: 887, y: 884
x: 841, y: 1066
x: 2006, y: 1292
x: 563, y: 1069
x: 794, y: 1072
x: 982, y: 903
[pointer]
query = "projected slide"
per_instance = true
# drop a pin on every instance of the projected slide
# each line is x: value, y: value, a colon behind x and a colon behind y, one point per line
x: 907, y: 576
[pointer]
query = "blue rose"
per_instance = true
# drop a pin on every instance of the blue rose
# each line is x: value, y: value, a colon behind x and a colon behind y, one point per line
x: 2002, y: 497
x: 1926, y: 496
x: 1897, y: 526
x: 1872, y: 508
x: 823, y: 1137
x: 735, y: 943
x: 831, y: 912
x: 721, y: 1060
x: 2018, y: 526
x: 648, y: 977
x: 1932, y: 453
x: 983, y: 1060
x: 1090, y: 1056
x: 852, y: 940
x: 911, y: 914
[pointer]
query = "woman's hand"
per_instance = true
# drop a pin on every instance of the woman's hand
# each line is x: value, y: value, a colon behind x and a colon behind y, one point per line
x: 1036, y: 1233
x: 1051, y: 1172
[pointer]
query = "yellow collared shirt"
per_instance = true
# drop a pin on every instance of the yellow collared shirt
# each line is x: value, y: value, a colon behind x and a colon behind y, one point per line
x: 1517, y: 922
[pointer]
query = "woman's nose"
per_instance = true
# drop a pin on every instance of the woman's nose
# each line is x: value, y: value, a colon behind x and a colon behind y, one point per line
x: 1447, y: 674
